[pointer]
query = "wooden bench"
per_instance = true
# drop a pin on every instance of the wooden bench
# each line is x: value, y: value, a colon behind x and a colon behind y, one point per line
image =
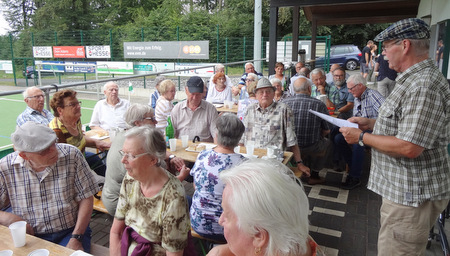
x: 98, y: 204
x: 98, y: 250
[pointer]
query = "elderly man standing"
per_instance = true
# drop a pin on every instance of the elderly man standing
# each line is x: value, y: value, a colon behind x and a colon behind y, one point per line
x: 195, y: 116
x: 341, y: 97
x: 48, y: 185
x: 108, y: 113
x: 410, y: 164
x: 35, y: 111
x: 367, y: 104
x: 269, y: 123
x: 309, y: 128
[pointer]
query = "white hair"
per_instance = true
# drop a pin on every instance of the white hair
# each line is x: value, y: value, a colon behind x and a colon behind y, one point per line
x: 27, y: 91
x: 108, y: 84
x: 317, y: 71
x: 275, y: 81
x: 249, y: 63
x: 356, y: 79
x: 252, y: 75
x: 150, y: 139
x: 219, y: 66
x: 266, y: 195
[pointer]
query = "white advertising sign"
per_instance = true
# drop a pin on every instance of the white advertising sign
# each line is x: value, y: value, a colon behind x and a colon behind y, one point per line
x: 98, y: 51
x: 203, y: 72
x: 42, y: 52
x: 114, y: 67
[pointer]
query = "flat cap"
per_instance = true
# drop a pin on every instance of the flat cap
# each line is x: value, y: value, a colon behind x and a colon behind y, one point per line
x: 411, y: 28
x: 195, y: 84
x: 264, y: 83
x: 33, y: 137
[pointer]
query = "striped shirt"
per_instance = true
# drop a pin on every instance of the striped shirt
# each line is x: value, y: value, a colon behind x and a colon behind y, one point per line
x: 417, y: 111
x: 162, y: 111
x: 30, y: 114
x: 47, y: 200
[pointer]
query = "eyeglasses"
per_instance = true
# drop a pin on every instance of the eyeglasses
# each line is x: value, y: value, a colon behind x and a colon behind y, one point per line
x: 130, y: 156
x: 36, y: 96
x: 153, y: 119
x: 250, y: 80
x: 73, y: 104
x: 385, y: 47
x: 351, y: 88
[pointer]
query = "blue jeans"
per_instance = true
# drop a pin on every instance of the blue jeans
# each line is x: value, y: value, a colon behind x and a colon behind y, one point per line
x: 62, y: 238
x: 353, y: 155
x: 96, y: 162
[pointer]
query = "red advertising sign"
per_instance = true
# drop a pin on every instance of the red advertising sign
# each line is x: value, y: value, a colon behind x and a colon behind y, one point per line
x: 68, y: 52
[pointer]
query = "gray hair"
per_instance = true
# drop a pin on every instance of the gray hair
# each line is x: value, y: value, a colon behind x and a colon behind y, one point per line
x: 300, y: 87
x: 219, y: 66
x: 421, y: 46
x: 304, y: 71
x: 229, y: 130
x: 159, y: 79
x: 136, y: 112
x: 265, y: 195
x: 275, y: 80
x: 249, y: 63
x: 252, y: 75
x: 108, y: 84
x: 317, y: 71
x: 356, y: 79
x: 151, y: 140
x: 27, y: 91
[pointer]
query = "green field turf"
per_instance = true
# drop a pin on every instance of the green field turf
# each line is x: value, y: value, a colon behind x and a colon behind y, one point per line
x: 12, y: 106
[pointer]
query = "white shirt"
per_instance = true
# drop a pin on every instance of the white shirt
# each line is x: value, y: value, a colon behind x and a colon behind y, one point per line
x: 107, y: 116
x: 162, y: 110
x: 214, y: 96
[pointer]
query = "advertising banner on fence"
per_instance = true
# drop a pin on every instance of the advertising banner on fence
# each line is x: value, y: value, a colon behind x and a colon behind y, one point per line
x: 68, y: 52
x: 166, y: 50
x: 80, y: 67
x: 6, y: 65
x: 46, y: 65
x: 42, y: 52
x: 148, y: 67
x: 114, y: 67
x: 203, y: 72
x: 98, y: 51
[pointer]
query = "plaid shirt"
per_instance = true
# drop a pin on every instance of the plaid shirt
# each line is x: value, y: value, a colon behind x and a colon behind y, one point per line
x: 47, y: 200
x: 308, y: 127
x: 329, y: 91
x: 416, y: 111
x: 369, y: 104
x: 340, y: 97
x: 30, y: 114
x: 273, y: 126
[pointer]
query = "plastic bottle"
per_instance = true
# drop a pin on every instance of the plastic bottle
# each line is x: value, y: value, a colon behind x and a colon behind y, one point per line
x: 170, y: 133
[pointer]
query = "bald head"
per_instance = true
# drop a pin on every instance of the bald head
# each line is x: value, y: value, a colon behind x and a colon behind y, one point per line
x: 334, y: 67
x: 302, y: 86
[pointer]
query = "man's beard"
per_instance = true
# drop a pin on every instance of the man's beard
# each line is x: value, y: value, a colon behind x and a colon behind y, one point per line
x: 339, y: 83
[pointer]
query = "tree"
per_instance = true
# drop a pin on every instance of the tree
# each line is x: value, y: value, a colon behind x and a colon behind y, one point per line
x: 18, y: 13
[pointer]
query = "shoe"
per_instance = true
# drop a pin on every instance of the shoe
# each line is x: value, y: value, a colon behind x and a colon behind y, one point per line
x: 314, y: 180
x: 351, y: 183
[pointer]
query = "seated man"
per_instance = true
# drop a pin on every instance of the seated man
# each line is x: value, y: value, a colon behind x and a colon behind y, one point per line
x: 108, y: 113
x: 35, y: 111
x: 329, y: 76
x: 195, y: 116
x: 269, y: 123
x: 341, y: 97
x: 309, y: 128
x: 249, y: 68
x: 367, y: 104
x: 320, y: 87
x: 48, y: 185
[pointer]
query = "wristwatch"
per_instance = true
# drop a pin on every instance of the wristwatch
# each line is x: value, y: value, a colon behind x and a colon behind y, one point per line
x: 171, y: 157
x: 78, y: 237
x: 300, y: 162
x: 361, y: 142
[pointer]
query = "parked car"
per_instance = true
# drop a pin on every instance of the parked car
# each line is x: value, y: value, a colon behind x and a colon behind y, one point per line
x: 30, y: 72
x: 346, y: 55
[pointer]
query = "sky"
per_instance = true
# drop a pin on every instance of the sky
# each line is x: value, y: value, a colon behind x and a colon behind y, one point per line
x: 4, y: 27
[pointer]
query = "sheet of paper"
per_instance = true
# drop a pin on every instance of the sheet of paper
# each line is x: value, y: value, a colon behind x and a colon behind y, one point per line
x: 333, y: 120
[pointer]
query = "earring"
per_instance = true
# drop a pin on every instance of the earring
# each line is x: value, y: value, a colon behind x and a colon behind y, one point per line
x: 257, y: 251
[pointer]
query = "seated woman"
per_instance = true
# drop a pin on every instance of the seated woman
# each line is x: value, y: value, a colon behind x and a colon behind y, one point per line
x: 207, y: 198
x: 265, y: 212
x: 279, y: 93
x: 164, y: 103
x: 67, y: 126
x: 251, y: 78
x: 151, y: 216
x: 136, y: 115
x: 220, y: 91
x: 243, y: 104
x: 279, y: 70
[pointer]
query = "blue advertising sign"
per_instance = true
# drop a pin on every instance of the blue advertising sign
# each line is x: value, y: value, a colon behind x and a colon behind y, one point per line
x: 80, y: 67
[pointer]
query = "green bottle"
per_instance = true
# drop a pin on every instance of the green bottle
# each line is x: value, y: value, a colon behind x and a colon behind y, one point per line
x: 170, y: 132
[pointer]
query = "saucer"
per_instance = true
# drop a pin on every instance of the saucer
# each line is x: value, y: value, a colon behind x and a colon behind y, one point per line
x: 39, y: 252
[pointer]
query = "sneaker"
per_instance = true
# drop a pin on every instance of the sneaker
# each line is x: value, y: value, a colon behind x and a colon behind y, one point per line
x: 314, y: 180
x: 351, y: 183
